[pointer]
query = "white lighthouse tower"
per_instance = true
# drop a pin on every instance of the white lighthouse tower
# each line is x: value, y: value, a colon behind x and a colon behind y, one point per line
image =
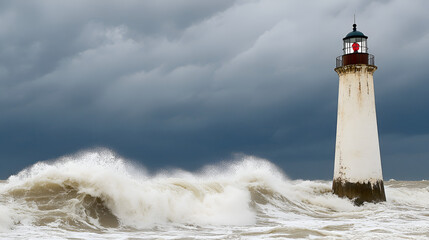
x: 357, y: 171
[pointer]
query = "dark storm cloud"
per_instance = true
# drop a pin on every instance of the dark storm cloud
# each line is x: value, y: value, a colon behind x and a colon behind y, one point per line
x: 186, y: 82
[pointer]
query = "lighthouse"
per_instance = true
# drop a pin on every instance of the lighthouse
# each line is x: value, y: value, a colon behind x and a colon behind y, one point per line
x: 357, y: 169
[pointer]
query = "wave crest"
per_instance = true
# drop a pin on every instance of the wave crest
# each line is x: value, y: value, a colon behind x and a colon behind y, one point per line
x: 100, y: 189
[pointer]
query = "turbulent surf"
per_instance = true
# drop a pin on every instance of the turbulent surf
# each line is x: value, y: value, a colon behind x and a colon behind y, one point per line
x: 99, y: 195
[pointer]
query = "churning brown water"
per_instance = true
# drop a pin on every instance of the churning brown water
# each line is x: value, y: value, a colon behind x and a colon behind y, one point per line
x: 97, y: 195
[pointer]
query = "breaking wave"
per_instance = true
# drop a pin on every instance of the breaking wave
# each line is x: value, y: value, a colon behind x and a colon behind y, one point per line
x: 98, y: 190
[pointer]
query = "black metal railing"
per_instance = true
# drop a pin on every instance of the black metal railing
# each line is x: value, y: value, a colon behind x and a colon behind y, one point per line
x: 339, y: 61
x: 371, y: 60
x: 350, y: 59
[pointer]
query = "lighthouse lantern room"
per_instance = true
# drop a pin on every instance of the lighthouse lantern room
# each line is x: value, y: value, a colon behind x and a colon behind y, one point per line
x: 355, y: 42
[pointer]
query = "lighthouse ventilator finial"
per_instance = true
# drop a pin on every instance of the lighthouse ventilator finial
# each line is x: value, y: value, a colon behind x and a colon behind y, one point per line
x: 354, y: 23
x: 357, y: 170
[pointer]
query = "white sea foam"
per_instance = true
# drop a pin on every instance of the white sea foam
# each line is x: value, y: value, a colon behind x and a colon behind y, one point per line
x: 84, y: 194
x: 415, y: 197
x: 140, y: 200
x: 6, y: 221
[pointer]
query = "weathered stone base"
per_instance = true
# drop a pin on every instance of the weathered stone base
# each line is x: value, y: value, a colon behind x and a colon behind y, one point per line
x: 360, y: 192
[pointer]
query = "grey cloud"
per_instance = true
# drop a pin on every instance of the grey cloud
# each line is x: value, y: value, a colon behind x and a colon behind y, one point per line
x: 187, y: 82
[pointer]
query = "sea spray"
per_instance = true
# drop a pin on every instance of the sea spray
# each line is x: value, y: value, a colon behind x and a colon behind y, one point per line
x: 102, y: 180
x: 6, y: 220
x: 99, y: 195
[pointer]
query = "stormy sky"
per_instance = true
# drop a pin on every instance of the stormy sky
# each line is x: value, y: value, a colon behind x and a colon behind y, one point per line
x: 186, y: 83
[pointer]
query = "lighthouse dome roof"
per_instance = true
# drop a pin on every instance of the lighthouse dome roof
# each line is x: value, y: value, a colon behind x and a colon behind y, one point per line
x: 355, y: 33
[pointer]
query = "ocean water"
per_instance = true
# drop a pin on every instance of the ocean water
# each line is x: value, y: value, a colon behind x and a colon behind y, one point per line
x: 98, y: 195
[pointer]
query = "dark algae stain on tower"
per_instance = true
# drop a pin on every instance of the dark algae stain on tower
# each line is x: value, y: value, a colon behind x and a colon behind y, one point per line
x: 357, y: 171
x: 360, y: 192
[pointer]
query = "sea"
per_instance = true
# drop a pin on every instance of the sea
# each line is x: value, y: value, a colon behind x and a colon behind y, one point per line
x: 99, y: 195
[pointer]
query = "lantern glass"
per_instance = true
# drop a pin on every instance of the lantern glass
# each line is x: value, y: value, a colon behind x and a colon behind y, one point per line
x: 348, y: 45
